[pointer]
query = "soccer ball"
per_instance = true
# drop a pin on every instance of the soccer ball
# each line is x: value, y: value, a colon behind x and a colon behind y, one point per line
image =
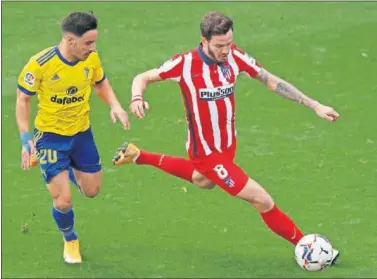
x: 313, y: 252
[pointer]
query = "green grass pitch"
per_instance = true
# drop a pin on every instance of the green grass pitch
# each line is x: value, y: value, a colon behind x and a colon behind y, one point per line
x: 147, y: 224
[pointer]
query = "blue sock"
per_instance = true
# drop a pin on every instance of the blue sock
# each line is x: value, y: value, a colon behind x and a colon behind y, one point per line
x: 65, y: 222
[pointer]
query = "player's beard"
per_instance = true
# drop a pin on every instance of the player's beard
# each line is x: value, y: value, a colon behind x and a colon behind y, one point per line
x: 213, y: 56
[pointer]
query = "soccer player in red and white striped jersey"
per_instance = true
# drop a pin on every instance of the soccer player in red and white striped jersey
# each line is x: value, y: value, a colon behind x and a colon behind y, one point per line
x: 207, y: 76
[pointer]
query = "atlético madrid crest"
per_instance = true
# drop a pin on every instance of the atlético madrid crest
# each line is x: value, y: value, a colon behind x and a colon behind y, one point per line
x: 226, y: 71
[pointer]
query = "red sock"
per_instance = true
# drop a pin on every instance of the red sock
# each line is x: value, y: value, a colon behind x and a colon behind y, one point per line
x: 176, y: 166
x: 282, y: 225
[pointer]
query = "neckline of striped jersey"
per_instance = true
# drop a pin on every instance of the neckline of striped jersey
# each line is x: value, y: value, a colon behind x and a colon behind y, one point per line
x: 65, y: 61
x: 206, y: 59
x: 204, y: 56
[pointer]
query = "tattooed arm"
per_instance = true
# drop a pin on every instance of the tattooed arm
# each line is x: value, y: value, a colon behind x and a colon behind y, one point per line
x: 285, y: 89
x: 288, y: 91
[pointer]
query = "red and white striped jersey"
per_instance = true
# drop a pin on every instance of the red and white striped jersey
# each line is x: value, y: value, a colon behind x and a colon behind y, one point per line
x: 207, y: 89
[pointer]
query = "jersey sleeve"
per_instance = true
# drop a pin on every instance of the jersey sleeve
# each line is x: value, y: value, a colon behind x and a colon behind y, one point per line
x: 98, y: 72
x: 246, y: 63
x: 172, y: 69
x: 30, y: 78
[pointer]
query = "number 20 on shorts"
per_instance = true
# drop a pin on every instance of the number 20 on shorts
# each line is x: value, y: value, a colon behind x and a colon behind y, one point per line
x: 47, y: 156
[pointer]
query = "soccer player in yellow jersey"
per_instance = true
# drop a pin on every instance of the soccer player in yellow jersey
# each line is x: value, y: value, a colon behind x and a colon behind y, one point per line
x: 62, y: 78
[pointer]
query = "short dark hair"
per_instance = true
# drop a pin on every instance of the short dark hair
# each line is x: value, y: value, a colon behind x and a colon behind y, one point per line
x: 79, y: 23
x: 215, y: 23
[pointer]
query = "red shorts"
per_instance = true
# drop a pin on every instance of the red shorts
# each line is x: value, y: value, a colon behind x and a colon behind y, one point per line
x: 221, y: 169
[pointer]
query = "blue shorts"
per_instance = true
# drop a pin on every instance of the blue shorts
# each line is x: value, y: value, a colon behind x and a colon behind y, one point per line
x: 57, y: 153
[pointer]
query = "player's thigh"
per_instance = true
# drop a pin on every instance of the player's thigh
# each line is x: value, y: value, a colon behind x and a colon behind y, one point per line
x: 202, y: 181
x: 85, y: 157
x: 256, y: 195
x: 86, y: 161
x: 225, y: 173
x: 60, y: 191
x: 90, y: 183
x: 52, y: 153
x: 207, y: 164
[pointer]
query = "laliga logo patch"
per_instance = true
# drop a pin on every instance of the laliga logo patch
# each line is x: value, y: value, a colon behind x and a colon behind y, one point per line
x: 71, y: 90
x: 29, y: 79
x: 250, y: 59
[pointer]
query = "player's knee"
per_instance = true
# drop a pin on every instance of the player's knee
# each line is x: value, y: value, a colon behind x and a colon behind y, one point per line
x: 90, y: 184
x: 63, y: 203
x: 257, y: 196
x: 206, y: 184
x: 265, y: 203
x: 61, y: 195
x: 91, y: 191
x: 202, y: 181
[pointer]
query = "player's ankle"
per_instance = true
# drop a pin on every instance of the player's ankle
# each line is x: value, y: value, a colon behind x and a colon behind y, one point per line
x: 70, y: 236
x: 136, y: 159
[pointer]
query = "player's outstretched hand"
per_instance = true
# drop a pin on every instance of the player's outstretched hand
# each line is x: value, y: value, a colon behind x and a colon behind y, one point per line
x: 138, y: 107
x: 118, y: 112
x: 326, y: 112
x: 28, y: 156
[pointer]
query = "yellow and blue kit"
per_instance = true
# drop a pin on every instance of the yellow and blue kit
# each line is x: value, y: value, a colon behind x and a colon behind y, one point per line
x: 62, y: 134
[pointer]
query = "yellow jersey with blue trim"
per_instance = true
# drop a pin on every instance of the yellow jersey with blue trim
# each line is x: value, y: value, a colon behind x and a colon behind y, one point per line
x: 63, y: 89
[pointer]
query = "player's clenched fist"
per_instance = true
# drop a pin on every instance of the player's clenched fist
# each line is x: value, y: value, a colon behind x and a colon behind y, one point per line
x: 138, y: 105
x: 326, y: 112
